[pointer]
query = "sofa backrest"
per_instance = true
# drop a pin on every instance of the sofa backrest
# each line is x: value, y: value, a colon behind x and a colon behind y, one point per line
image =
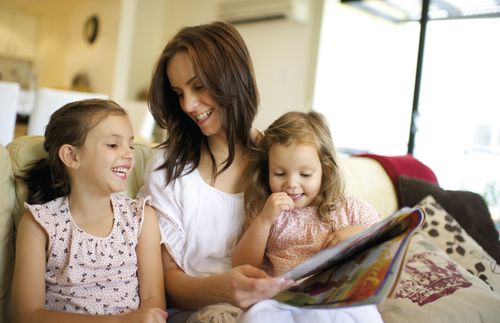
x: 365, y: 178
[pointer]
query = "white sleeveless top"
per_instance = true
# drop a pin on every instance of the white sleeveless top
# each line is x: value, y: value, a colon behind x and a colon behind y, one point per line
x: 199, y: 224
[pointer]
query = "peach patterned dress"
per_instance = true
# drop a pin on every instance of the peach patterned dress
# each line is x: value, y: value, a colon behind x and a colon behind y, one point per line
x: 299, y: 234
x: 88, y: 274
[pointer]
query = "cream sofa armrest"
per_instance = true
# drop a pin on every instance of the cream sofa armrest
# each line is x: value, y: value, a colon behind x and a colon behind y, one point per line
x: 6, y: 233
x: 22, y: 151
x: 367, y: 180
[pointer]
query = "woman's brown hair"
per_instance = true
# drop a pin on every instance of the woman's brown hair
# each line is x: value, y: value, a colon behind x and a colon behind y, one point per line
x: 222, y: 62
x: 294, y: 128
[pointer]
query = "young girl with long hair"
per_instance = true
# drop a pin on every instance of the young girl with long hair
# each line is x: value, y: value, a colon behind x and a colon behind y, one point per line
x: 84, y: 252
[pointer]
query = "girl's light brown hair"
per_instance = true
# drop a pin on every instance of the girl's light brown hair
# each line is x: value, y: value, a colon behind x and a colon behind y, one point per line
x: 294, y: 128
x: 222, y: 62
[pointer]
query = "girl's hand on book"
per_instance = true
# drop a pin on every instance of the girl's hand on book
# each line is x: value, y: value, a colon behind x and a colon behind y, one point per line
x: 275, y: 204
x: 342, y: 234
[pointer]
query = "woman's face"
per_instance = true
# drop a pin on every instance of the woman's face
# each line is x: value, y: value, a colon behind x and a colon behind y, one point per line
x: 194, y: 99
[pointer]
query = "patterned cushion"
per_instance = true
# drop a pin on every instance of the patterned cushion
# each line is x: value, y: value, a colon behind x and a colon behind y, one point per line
x: 445, y: 232
x: 434, y: 288
x: 468, y: 208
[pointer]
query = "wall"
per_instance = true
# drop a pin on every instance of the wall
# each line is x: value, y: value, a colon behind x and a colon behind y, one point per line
x: 148, y: 41
x: 63, y: 52
x: 134, y: 32
x: 283, y: 52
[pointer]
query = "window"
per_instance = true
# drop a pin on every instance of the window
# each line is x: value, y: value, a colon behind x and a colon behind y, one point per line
x: 365, y: 81
x: 365, y: 78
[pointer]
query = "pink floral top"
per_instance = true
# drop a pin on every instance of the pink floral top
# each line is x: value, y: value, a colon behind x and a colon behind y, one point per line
x: 299, y: 234
x: 88, y: 274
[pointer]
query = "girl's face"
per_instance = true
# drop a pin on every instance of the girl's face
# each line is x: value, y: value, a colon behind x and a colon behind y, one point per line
x: 106, y: 157
x: 295, y: 170
x: 194, y: 98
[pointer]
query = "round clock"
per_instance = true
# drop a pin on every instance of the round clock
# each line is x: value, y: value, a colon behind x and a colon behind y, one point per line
x: 91, y: 29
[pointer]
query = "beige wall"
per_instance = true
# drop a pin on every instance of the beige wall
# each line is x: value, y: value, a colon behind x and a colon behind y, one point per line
x: 62, y: 51
x: 133, y: 33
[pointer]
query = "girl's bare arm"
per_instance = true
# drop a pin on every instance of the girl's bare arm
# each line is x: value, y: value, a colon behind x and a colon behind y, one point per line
x: 150, y: 269
x: 252, y: 246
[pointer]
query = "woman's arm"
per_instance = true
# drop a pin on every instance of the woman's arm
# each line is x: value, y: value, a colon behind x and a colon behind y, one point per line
x: 29, y: 283
x: 252, y: 245
x: 242, y: 286
x: 150, y: 270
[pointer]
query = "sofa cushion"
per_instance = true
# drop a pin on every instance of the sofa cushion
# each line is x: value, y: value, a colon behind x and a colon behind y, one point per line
x: 468, y: 208
x: 434, y: 288
x: 445, y: 233
x: 367, y: 180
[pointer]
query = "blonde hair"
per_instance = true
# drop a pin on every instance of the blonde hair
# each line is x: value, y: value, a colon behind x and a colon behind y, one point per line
x: 295, y: 128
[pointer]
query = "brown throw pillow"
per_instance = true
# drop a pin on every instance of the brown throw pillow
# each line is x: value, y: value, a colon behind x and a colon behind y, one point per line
x: 468, y: 208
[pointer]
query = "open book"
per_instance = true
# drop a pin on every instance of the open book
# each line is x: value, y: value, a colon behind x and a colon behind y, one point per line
x: 363, y: 269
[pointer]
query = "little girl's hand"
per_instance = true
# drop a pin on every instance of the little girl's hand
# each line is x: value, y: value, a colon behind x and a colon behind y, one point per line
x: 275, y: 204
x: 342, y: 234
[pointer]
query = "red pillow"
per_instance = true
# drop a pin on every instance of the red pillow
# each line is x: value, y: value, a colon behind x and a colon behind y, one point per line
x: 406, y: 165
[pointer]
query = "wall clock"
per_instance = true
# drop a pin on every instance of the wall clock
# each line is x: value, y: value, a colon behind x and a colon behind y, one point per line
x: 91, y: 29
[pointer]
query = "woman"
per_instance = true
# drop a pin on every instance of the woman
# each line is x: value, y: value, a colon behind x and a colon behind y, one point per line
x: 204, y: 93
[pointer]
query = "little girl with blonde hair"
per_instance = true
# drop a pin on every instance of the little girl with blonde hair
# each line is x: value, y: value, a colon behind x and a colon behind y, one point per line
x: 294, y: 202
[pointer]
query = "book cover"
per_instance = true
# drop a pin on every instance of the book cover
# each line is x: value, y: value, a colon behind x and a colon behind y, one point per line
x: 361, y: 270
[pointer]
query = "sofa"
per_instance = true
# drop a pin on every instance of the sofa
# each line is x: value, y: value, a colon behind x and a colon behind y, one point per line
x: 435, y: 285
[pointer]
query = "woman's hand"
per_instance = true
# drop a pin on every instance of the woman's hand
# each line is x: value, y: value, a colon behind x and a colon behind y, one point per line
x: 246, y: 285
x: 275, y: 204
x: 342, y: 234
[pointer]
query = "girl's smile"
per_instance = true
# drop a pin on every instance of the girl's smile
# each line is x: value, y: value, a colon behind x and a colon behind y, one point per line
x: 295, y: 170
